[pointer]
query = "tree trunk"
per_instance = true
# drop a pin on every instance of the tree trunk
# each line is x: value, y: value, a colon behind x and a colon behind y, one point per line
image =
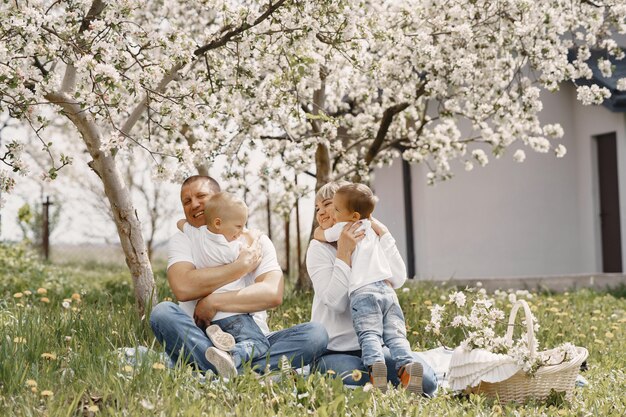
x: 322, y: 170
x: 124, y: 214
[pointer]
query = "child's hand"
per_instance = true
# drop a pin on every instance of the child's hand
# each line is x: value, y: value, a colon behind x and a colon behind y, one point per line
x: 318, y: 234
x: 378, y: 228
x: 251, y: 236
x: 180, y: 224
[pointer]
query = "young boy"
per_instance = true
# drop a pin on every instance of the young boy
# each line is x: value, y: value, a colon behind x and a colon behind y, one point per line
x: 218, y: 243
x: 376, y: 313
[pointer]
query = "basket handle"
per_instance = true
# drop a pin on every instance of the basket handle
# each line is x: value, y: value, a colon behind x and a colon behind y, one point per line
x: 529, y: 325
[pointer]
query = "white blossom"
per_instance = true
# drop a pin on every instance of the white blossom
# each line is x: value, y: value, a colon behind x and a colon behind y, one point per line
x: 519, y: 155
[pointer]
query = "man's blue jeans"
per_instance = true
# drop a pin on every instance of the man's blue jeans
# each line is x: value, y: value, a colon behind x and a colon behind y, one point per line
x: 250, y: 342
x: 343, y: 363
x: 182, y: 339
x: 378, y: 318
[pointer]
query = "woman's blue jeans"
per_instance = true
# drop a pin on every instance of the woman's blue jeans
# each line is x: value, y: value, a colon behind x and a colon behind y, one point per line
x: 343, y: 363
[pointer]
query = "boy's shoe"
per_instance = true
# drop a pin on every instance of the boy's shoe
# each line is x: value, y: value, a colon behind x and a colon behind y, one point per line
x: 220, y: 339
x: 378, y: 376
x: 223, y: 362
x: 411, y: 377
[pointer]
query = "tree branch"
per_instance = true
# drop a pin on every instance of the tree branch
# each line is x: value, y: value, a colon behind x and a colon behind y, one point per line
x: 385, y: 123
x: 224, y: 39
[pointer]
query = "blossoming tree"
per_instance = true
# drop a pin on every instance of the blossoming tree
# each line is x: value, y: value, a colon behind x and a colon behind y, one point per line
x: 329, y: 87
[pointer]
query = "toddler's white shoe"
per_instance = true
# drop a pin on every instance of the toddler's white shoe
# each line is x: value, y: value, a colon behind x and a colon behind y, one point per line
x: 222, y: 361
x: 219, y: 338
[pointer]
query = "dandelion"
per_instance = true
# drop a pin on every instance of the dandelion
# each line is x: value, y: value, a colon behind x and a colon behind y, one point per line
x: 609, y: 335
x: 65, y: 305
x: 147, y: 404
x: 331, y: 372
x: 428, y: 303
x: 31, y: 383
x: 76, y: 296
x: 47, y: 393
x: 19, y: 339
x: 405, y: 289
x: 356, y: 375
x: 45, y: 300
x: 42, y: 291
x: 598, y: 342
x: 68, y: 338
x: 158, y: 366
x: 33, y: 390
x: 93, y: 408
x: 27, y: 292
x: 593, y: 328
x: 368, y: 387
x: 50, y: 356
x: 128, y: 368
x: 18, y: 295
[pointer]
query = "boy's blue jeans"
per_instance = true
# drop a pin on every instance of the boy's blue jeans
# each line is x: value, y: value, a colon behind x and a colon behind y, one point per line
x: 377, y: 318
x: 183, y: 340
x: 250, y: 342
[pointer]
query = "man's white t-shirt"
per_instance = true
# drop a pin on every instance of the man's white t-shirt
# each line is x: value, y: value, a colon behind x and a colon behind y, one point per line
x: 369, y: 263
x: 181, y: 249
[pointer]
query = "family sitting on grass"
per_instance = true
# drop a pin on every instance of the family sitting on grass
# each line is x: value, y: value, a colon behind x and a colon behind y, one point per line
x: 225, y: 277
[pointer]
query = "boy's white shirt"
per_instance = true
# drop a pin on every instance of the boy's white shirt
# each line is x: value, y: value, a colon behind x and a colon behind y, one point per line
x: 369, y: 263
x: 186, y: 248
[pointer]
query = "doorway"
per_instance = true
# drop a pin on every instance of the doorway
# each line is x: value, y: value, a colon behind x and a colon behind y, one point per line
x: 610, y: 227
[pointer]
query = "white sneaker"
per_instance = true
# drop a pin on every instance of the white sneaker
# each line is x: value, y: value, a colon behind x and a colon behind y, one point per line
x: 219, y: 338
x: 222, y: 361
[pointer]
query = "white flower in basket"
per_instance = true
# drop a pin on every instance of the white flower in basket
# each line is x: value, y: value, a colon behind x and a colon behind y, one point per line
x: 512, y: 370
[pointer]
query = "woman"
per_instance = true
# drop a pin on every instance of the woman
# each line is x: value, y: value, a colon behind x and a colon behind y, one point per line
x: 329, y: 268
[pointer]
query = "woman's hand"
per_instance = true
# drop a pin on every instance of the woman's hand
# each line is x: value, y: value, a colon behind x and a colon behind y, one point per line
x: 348, y: 240
x: 379, y: 228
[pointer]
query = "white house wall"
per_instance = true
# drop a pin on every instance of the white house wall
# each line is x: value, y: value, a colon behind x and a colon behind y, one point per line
x: 509, y: 219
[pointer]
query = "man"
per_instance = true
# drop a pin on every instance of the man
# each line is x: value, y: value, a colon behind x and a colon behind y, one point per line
x: 177, y: 330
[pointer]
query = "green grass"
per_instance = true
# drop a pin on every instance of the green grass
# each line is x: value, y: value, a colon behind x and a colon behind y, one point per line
x: 80, y: 367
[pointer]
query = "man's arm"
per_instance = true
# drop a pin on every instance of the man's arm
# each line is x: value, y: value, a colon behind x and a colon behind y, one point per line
x: 188, y: 283
x: 265, y: 293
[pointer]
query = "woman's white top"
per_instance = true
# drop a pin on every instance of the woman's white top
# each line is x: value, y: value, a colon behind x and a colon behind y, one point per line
x: 331, y: 279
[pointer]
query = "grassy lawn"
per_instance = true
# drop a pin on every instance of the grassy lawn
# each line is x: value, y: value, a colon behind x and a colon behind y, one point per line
x: 61, y: 327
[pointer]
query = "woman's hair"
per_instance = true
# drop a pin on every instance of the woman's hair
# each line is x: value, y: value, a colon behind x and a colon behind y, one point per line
x: 329, y: 189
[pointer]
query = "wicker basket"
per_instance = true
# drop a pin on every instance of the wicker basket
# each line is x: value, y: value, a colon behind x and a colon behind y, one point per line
x: 520, y: 387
